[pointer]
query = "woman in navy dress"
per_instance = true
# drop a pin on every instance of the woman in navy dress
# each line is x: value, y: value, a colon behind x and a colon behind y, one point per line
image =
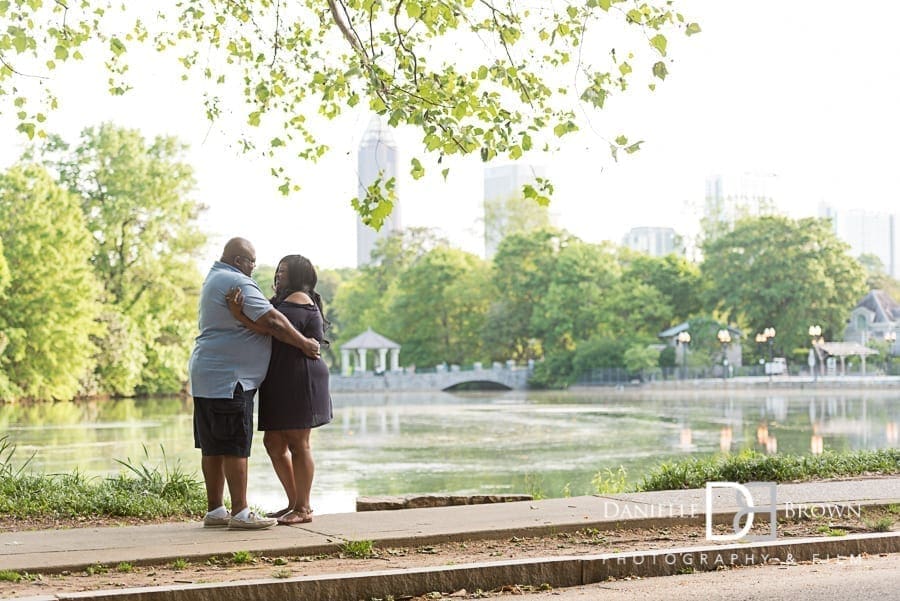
x: 294, y: 397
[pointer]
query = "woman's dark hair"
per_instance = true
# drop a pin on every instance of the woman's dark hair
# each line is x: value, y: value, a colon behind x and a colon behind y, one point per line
x: 301, y: 277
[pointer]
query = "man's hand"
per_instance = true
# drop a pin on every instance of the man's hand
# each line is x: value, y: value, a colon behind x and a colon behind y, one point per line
x: 235, y: 300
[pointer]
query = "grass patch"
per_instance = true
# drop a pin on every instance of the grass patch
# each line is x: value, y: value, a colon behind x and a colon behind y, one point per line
x: 884, y: 524
x: 180, y: 564
x: 9, y: 576
x: 829, y: 531
x: 750, y: 466
x: 609, y: 482
x: 124, y: 567
x: 358, y: 549
x: 139, y: 491
x: 241, y: 557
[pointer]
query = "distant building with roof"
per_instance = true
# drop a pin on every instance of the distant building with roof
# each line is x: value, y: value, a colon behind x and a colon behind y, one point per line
x: 654, y: 241
x: 377, y: 157
x: 874, y: 317
x: 868, y: 233
x: 732, y: 196
x: 506, y: 211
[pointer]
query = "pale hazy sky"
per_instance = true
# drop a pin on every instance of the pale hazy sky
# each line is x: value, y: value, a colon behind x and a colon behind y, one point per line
x: 808, y: 90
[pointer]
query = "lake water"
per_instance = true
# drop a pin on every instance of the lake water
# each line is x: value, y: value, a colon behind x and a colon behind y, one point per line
x: 547, y: 442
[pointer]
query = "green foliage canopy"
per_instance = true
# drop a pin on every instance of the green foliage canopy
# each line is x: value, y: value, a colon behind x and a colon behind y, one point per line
x: 450, y: 326
x: 783, y: 273
x: 136, y: 198
x: 275, y: 62
x: 49, y: 318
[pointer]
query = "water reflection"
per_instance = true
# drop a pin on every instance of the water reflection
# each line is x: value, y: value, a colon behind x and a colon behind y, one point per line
x: 476, y: 443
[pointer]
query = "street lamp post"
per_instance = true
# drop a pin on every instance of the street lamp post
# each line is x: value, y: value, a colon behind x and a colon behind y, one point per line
x: 769, y: 333
x: 682, y: 340
x: 891, y: 339
x: 815, y: 334
x: 724, y: 337
x: 760, y: 341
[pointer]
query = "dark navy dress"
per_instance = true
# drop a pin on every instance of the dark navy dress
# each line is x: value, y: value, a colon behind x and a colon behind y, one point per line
x: 295, y: 392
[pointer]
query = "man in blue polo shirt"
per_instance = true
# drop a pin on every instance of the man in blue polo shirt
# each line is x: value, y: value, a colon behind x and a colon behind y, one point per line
x: 227, y: 365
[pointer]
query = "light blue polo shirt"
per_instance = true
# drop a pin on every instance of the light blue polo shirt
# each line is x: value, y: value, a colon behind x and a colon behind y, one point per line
x: 227, y: 353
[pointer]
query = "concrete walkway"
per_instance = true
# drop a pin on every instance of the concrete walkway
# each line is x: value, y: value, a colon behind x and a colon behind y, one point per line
x: 75, y: 549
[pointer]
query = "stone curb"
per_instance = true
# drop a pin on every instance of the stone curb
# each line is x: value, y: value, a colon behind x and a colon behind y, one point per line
x: 557, y: 572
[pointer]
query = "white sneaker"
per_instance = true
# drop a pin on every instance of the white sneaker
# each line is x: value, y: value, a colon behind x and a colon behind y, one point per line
x: 211, y: 521
x: 251, y: 522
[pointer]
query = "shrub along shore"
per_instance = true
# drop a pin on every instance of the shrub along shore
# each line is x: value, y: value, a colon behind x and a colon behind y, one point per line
x: 154, y: 493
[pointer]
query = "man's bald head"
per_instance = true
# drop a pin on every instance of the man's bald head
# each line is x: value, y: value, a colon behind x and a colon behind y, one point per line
x: 238, y: 252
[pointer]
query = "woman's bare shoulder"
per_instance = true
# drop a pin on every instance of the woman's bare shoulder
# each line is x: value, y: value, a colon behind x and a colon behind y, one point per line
x: 301, y: 298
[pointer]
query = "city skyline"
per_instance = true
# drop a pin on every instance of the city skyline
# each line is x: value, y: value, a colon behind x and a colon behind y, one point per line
x: 814, y: 104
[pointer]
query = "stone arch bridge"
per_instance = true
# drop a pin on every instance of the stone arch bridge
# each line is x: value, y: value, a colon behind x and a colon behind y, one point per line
x: 499, y: 376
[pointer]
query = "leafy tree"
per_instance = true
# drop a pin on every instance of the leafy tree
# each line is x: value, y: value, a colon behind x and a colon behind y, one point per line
x: 508, y: 215
x: 676, y: 278
x: 522, y: 272
x: 50, y: 308
x: 783, y: 273
x: 439, y: 308
x: 264, y: 276
x: 580, y: 276
x: 364, y: 298
x: 277, y: 61
x: 634, y: 311
x: 136, y: 198
x: 599, y: 352
x: 640, y: 357
x: 877, y: 277
x: 5, y: 388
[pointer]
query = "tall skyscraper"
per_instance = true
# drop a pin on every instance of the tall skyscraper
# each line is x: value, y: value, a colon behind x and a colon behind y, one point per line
x: 655, y: 241
x: 867, y: 233
x: 377, y: 157
x: 506, y: 211
x: 730, y: 197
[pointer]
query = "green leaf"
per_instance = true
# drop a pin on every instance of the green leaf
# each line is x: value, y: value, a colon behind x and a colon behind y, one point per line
x: 20, y: 42
x: 659, y: 42
x: 417, y: 170
x: 621, y: 140
x: 515, y: 152
x: 413, y: 9
x: 633, y: 148
x: 444, y: 172
x: 253, y: 118
x: 27, y: 129
x: 659, y: 70
x: 117, y: 47
x: 61, y: 53
x: 604, y: 4
x: 692, y: 28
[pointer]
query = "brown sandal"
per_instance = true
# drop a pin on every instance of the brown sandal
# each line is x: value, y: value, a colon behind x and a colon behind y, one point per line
x: 295, y: 517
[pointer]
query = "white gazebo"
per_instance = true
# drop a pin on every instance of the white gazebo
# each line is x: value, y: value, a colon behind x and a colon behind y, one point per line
x: 842, y: 350
x: 370, y: 341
